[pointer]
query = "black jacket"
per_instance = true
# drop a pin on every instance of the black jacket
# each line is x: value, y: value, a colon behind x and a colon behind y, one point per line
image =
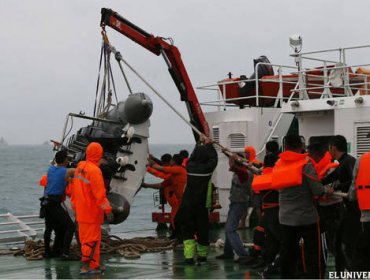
x: 343, y: 173
x: 199, y: 167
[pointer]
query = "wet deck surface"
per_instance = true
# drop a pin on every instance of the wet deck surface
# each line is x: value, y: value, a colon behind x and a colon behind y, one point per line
x: 168, y: 265
x: 152, y: 265
x: 164, y: 265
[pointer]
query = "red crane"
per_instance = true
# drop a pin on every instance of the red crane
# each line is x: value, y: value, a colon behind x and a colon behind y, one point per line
x: 172, y: 57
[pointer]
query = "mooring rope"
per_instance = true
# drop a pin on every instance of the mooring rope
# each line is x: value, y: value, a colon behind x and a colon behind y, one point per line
x: 128, y: 248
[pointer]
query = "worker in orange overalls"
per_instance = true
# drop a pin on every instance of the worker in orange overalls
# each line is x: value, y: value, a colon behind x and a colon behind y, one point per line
x: 165, y: 161
x: 174, y: 185
x: 360, y: 191
x: 88, y: 199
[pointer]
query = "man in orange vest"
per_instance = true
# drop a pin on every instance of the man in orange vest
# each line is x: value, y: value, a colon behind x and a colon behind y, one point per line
x: 297, y: 180
x: 360, y: 191
x: 88, y: 199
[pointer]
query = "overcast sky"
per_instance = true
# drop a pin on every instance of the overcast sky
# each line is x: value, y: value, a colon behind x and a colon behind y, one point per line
x: 49, y: 52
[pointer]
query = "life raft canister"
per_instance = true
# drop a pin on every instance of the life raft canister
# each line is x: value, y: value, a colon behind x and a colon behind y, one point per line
x: 288, y: 170
x: 363, y: 182
x: 264, y: 181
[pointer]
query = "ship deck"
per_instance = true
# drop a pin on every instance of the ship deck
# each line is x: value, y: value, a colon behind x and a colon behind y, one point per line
x: 167, y: 265
x: 163, y: 265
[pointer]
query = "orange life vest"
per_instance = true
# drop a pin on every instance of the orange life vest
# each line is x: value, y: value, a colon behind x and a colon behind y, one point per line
x: 322, y: 168
x: 363, y: 182
x: 288, y: 170
x: 44, y: 180
x: 264, y: 181
x: 324, y: 165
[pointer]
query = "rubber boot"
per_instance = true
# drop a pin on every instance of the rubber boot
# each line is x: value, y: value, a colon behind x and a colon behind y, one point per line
x: 202, y: 254
x: 189, y: 251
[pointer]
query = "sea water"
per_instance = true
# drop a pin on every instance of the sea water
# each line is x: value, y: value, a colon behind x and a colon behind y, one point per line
x: 22, y: 166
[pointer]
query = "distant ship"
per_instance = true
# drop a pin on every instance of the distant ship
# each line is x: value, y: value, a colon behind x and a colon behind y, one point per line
x: 46, y: 143
x: 3, y: 142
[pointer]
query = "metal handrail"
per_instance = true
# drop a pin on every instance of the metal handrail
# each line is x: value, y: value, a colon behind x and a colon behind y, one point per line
x: 24, y: 232
x: 301, y: 84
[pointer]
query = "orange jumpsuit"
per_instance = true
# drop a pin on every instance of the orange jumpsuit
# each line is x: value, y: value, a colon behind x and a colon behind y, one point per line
x: 157, y: 173
x: 88, y: 198
x: 174, y: 188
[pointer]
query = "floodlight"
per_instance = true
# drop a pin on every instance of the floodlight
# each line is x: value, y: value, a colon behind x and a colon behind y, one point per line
x: 295, y: 41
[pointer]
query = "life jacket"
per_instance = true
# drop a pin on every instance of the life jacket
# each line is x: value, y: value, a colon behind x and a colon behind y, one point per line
x: 363, y: 183
x: 287, y: 171
x: 324, y: 166
x: 44, y: 180
x: 264, y: 181
x: 322, y: 169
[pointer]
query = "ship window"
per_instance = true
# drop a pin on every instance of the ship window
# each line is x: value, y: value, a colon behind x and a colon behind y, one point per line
x: 216, y: 134
x: 236, y: 141
x: 362, y: 142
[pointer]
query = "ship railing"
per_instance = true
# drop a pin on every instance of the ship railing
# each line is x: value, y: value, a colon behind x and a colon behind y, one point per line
x: 222, y: 101
x: 19, y: 228
x: 308, y: 84
x: 341, y: 68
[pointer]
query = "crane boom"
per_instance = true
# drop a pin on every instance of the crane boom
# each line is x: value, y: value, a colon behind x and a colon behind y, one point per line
x: 172, y: 57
